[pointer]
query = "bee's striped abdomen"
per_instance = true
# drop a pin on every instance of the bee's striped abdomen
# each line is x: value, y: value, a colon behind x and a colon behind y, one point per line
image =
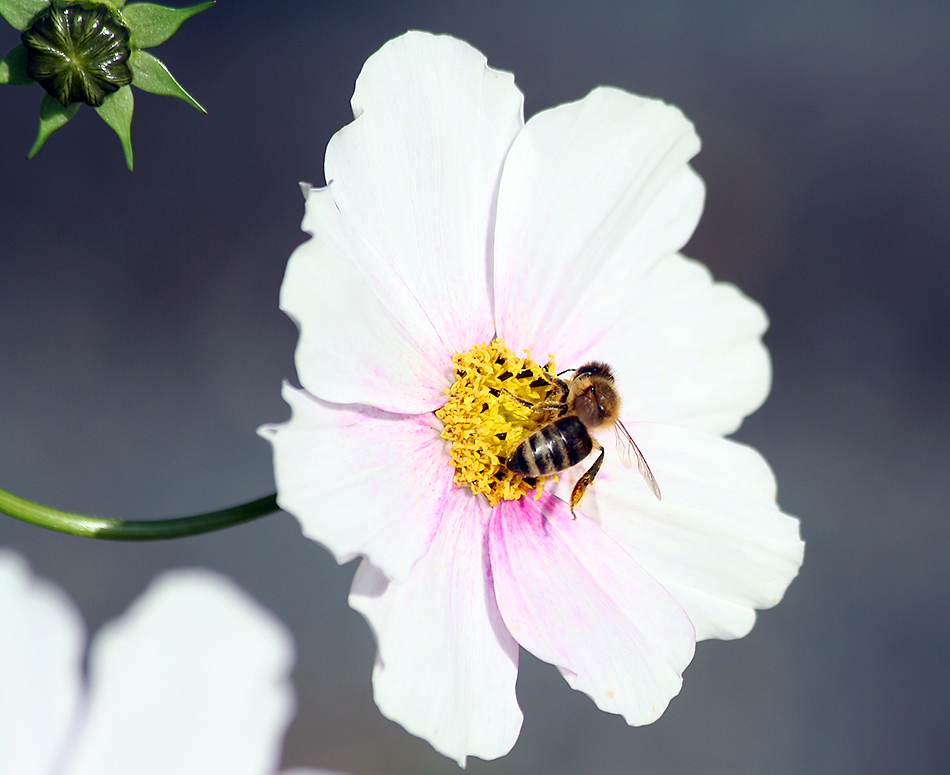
x: 552, y: 448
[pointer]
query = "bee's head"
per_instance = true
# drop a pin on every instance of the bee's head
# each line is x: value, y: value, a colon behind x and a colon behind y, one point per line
x: 593, y: 397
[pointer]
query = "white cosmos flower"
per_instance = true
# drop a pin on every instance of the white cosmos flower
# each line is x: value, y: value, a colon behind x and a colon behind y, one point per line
x: 192, y: 680
x: 449, y: 221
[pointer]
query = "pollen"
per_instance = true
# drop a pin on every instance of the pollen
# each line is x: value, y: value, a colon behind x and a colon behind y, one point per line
x: 485, y: 422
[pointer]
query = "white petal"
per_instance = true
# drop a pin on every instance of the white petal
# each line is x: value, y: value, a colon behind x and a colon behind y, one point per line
x: 361, y: 481
x: 41, y: 647
x: 363, y: 336
x: 717, y: 541
x: 192, y: 679
x: 446, y: 666
x: 574, y: 598
x: 417, y: 172
x: 688, y: 350
x: 593, y: 194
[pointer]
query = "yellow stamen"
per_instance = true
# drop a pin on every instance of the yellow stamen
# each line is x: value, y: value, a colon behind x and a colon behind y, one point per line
x: 485, y: 423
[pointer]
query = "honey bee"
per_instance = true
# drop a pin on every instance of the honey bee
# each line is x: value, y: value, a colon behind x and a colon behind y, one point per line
x: 587, y: 402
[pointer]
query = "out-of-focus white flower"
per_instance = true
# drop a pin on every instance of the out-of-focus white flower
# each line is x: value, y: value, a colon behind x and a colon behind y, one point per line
x: 451, y: 231
x: 192, y: 679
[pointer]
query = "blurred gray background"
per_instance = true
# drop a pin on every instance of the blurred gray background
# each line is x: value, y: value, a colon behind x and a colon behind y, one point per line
x: 141, y: 345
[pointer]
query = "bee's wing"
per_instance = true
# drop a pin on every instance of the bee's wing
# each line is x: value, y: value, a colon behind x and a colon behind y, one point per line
x: 631, y: 455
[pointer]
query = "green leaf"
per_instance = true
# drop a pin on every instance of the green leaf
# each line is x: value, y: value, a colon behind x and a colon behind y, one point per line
x: 153, y: 24
x: 13, y: 67
x: 116, y: 111
x: 21, y: 13
x: 52, y: 117
x: 151, y: 75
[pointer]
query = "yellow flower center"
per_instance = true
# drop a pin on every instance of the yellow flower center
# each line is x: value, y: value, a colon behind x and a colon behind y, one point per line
x: 485, y: 423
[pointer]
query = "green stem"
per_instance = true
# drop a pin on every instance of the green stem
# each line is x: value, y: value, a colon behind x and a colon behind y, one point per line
x: 122, y: 530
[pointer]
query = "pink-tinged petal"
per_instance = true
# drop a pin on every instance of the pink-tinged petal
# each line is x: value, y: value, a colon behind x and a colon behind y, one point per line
x: 717, y: 541
x: 417, y: 172
x: 688, y: 351
x: 361, y: 481
x: 593, y: 194
x: 446, y: 665
x: 193, y: 679
x: 364, y: 338
x: 41, y: 648
x: 573, y: 597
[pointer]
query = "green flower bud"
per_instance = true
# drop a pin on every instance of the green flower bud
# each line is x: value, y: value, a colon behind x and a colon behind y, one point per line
x: 92, y: 52
x: 78, y: 53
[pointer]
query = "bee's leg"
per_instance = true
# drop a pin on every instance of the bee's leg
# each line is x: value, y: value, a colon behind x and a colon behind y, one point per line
x: 542, y: 407
x: 558, y: 383
x: 550, y: 406
x: 587, y: 479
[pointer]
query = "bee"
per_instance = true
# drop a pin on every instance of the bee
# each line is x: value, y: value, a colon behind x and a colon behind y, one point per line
x: 587, y: 402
